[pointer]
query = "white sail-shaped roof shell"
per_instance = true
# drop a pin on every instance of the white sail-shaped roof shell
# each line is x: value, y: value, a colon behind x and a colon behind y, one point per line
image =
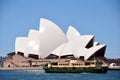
x: 76, y: 44
x: 79, y: 51
x: 87, y: 53
x: 78, y: 40
x: 34, y: 34
x: 93, y: 50
x: 51, y: 36
x: 21, y: 45
x: 59, y: 49
x: 67, y: 49
x: 34, y: 41
x: 50, y: 39
x: 85, y: 39
x: 63, y: 50
x: 72, y: 33
x: 96, y: 43
x: 81, y: 41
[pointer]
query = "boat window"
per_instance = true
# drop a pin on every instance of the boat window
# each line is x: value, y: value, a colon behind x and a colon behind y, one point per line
x: 65, y: 64
x: 75, y: 64
x: 55, y: 63
x: 92, y: 63
x: 81, y: 64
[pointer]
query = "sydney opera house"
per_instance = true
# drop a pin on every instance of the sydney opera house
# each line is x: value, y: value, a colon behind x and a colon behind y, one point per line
x: 50, y: 43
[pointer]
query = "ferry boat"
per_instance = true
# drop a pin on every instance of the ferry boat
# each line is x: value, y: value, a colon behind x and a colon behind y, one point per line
x: 76, y: 66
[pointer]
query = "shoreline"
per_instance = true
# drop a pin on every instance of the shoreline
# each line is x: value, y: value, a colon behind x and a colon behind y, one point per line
x: 41, y: 68
x: 21, y: 68
x: 114, y: 68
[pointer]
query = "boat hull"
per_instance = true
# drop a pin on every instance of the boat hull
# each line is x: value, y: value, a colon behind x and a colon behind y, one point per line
x: 75, y: 70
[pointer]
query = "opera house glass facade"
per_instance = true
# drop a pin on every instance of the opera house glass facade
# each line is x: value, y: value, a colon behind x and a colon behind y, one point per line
x: 51, y: 42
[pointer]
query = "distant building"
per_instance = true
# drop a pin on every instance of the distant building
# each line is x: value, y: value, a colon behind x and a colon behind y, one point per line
x: 2, y: 59
x: 50, y: 43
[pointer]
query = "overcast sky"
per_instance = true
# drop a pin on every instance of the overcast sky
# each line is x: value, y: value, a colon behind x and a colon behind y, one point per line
x: 95, y: 17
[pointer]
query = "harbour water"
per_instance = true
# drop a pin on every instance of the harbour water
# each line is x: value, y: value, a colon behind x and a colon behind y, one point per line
x: 41, y: 75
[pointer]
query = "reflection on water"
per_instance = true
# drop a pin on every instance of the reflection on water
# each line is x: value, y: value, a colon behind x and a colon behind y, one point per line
x: 41, y: 75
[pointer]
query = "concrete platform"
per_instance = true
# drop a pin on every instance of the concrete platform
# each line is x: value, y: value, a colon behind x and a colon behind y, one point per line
x: 114, y: 67
x: 22, y: 68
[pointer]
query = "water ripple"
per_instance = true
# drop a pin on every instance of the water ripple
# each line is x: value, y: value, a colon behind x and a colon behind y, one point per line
x: 41, y: 75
